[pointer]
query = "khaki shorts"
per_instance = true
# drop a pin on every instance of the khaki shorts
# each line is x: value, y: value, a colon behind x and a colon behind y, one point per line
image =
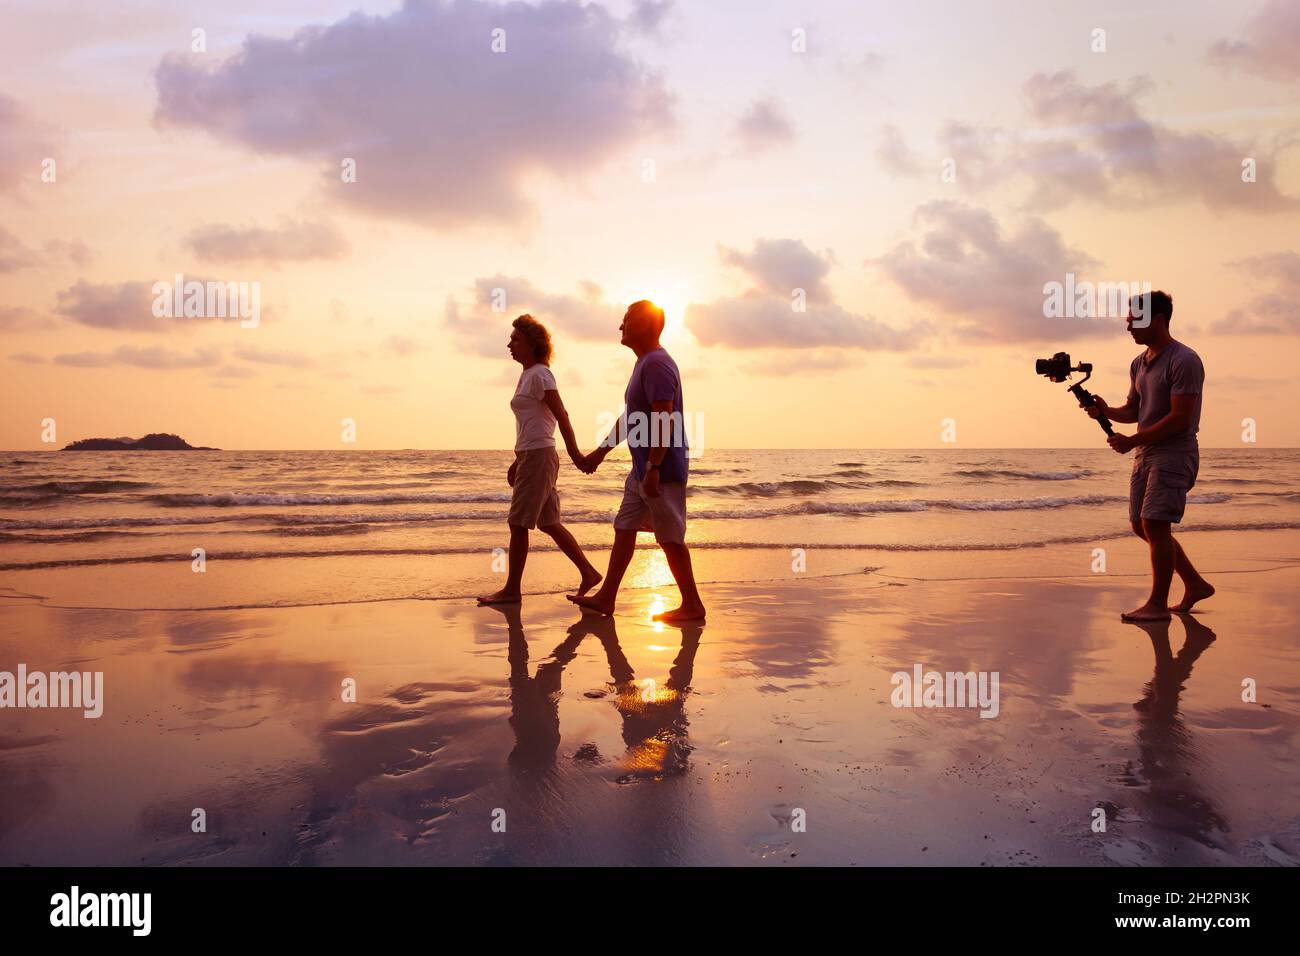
x: 1158, y: 489
x: 665, y: 515
x: 535, y: 500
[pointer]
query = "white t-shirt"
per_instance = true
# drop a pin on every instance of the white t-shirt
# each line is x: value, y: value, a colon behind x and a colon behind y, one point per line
x: 534, y: 423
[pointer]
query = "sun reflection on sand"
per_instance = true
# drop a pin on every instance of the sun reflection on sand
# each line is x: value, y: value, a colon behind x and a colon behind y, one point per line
x: 657, y: 606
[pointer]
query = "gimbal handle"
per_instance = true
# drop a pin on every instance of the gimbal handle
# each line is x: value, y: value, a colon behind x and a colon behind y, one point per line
x: 1086, y: 400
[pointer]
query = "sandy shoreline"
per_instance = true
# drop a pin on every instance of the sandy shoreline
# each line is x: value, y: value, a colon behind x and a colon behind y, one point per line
x: 780, y: 704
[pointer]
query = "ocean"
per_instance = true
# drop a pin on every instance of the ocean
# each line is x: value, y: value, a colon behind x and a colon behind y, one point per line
x: 301, y: 527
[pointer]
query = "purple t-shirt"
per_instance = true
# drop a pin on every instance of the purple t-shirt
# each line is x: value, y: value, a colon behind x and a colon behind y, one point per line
x: 655, y: 379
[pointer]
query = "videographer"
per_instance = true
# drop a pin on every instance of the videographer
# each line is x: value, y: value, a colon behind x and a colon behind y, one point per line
x: 1164, y: 399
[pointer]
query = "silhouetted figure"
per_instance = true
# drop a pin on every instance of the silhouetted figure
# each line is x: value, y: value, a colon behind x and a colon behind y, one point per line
x: 654, y: 493
x: 534, y: 501
x: 1164, y: 400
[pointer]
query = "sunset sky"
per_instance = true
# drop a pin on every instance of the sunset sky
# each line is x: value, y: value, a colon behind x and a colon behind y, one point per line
x: 684, y: 152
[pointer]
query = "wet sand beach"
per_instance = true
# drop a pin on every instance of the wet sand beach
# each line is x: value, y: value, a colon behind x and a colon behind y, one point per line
x: 766, y: 736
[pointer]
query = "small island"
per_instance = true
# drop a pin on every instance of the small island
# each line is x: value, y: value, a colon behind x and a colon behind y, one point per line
x: 157, y: 441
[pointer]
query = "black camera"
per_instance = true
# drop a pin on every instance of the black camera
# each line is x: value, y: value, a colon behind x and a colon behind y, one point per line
x: 1058, y: 369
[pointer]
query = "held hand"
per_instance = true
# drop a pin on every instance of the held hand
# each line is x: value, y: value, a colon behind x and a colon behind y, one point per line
x: 1098, y: 407
x: 511, y: 473
x: 1122, y: 443
x: 650, y: 484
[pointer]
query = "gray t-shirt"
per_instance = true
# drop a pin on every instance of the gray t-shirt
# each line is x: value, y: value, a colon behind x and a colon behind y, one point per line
x: 1175, y: 371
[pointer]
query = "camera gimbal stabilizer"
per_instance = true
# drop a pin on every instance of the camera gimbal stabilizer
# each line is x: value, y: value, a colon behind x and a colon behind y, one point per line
x: 1058, y: 369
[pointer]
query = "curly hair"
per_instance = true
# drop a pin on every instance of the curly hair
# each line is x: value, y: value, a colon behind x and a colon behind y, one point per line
x: 536, y: 335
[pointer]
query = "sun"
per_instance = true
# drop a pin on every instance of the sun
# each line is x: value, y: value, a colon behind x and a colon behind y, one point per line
x: 670, y: 295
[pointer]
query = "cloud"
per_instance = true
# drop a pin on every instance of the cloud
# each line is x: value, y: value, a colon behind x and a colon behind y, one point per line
x: 895, y: 155
x: 779, y: 266
x: 444, y: 131
x: 1272, y: 45
x: 234, y: 371
x: 986, y: 283
x: 764, y: 316
x: 128, y: 306
x: 290, y: 241
x: 24, y: 145
x: 273, y: 357
x: 27, y: 358
x: 1268, y: 313
x: 402, y: 345
x: 72, y: 251
x: 1133, y: 159
x: 13, y: 254
x: 940, y: 360
x: 781, y: 365
x: 587, y: 316
x: 649, y: 16
x: 1094, y: 144
x: 17, y: 318
x: 121, y: 305
x: 763, y: 125
x: 155, y: 357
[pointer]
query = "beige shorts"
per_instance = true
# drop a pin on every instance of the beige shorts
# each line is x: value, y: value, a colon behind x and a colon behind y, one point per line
x: 535, y: 500
x: 665, y: 515
x: 1159, y: 486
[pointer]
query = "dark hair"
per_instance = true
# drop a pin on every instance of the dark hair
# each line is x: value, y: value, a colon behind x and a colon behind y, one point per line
x: 1153, y: 304
x: 652, y: 312
x: 536, y: 335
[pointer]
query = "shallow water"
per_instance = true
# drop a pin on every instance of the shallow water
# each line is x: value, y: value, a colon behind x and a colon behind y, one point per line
x: 307, y: 527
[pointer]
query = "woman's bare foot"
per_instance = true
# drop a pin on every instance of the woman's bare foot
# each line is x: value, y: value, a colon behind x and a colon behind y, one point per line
x: 681, y: 615
x: 1193, y: 594
x: 501, y: 597
x: 595, y: 603
x: 1146, y: 613
x: 590, y: 578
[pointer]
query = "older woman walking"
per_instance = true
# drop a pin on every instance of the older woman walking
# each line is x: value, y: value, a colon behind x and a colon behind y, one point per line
x: 535, y: 502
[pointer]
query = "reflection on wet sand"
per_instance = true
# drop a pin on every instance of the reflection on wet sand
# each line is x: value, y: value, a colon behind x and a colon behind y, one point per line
x: 1169, y: 767
x: 654, y: 724
x: 608, y: 742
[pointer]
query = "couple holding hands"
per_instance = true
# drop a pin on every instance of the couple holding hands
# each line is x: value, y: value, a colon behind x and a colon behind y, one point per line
x: 654, y: 494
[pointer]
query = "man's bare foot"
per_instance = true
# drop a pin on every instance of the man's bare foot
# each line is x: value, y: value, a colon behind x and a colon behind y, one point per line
x: 589, y: 580
x: 501, y: 597
x: 681, y: 615
x: 593, y: 602
x: 1199, y: 593
x: 1146, y: 613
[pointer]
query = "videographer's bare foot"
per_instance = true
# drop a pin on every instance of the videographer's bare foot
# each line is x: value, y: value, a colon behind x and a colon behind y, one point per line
x: 590, y: 579
x: 682, y: 615
x: 1198, y: 593
x: 501, y: 597
x: 1146, y: 613
x: 593, y: 602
